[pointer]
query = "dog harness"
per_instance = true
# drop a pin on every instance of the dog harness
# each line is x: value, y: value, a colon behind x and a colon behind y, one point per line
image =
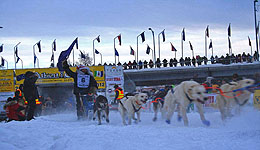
x: 191, y: 99
x: 237, y: 101
x: 136, y: 110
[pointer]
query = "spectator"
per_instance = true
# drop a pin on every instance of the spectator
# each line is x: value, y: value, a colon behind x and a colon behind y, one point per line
x: 205, y: 60
x: 134, y: 65
x: 181, y: 61
x: 165, y: 63
x: 233, y: 58
x: 193, y: 61
x: 145, y: 64
x: 158, y: 63
x: 212, y: 59
x: 105, y: 64
x: 129, y: 65
x: 189, y: 61
x: 199, y: 60
x: 239, y: 58
x: 249, y: 58
x: 244, y: 57
x: 175, y: 62
x: 186, y: 61
x: 119, y: 64
x: 217, y: 59
x: 125, y: 66
x: 151, y: 63
x: 140, y: 64
x: 171, y: 62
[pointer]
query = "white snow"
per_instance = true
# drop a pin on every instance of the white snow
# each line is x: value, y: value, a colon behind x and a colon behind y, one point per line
x: 64, y: 132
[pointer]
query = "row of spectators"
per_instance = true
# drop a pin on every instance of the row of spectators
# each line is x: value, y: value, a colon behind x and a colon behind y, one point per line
x: 228, y: 59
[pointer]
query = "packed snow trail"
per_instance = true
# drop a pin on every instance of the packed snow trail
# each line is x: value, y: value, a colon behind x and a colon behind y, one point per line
x: 64, y: 132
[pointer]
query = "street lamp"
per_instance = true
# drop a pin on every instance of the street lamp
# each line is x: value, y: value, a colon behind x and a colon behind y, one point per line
x: 154, y: 56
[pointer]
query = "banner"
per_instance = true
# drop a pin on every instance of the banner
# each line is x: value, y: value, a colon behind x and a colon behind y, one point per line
x: 53, y: 76
x: 114, y: 75
x: 6, y: 81
x: 257, y: 99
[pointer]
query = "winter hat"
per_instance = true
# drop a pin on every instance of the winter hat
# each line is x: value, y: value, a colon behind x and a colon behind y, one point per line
x: 28, y: 74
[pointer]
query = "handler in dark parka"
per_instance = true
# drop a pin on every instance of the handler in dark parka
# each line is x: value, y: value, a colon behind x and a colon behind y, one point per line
x: 84, y: 84
x: 30, y: 93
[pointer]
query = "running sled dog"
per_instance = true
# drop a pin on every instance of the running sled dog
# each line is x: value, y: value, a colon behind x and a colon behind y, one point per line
x: 130, y: 105
x: 101, y: 108
x: 182, y: 95
x: 233, y: 100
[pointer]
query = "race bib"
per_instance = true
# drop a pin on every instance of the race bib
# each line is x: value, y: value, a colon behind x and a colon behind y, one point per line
x: 83, y: 81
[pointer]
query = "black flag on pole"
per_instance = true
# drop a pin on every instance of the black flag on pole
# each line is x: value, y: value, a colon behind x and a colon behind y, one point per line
x: 98, y: 39
x: 183, y: 35
x: 229, y: 30
x: 39, y: 46
x: 191, y: 47
x: 143, y: 37
x: 1, y: 48
x: 82, y: 55
x: 2, y: 62
x: 54, y: 45
x: 207, y: 31
x: 210, y: 44
x: 148, y: 49
x: 163, y: 35
x: 249, y: 41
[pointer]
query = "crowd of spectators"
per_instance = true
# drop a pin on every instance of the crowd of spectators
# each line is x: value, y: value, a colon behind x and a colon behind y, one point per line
x: 187, y: 61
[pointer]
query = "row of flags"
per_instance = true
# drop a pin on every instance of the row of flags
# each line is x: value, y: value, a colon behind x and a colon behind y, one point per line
x: 65, y: 54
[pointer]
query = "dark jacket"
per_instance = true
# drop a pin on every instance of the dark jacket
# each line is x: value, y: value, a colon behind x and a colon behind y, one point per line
x: 30, y: 89
x: 77, y: 90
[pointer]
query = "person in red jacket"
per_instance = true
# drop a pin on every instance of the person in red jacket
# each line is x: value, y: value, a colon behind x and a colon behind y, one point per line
x: 14, y: 110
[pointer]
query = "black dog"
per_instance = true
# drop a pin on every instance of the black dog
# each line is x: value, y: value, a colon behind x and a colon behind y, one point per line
x: 101, y: 105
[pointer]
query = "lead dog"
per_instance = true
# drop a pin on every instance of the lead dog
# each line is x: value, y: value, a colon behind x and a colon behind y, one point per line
x: 183, y: 94
x: 101, y: 106
x: 131, y: 105
x: 225, y: 103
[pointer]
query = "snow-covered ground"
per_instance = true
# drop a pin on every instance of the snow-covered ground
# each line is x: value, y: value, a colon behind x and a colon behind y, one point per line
x: 64, y: 132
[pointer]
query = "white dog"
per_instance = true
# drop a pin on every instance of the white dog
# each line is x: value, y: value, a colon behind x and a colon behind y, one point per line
x: 230, y: 99
x: 131, y: 105
x: 183, y: 94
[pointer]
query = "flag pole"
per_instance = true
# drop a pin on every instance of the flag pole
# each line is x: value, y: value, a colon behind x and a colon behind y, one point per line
x: 73, y: 57
x: 34, y: 55
x: 16, y: 46
x: 175, y: 54
x: 115, y: 49
x: 101, y: 58
x: 159, y: 46
x: 257, y: 56
x: 154, y: 53
x: 182, y: 43
x: 205, y: 44
x: 53, y: 51
x: 137, y: 48
x: 22, y: 62
x: 94, y: 51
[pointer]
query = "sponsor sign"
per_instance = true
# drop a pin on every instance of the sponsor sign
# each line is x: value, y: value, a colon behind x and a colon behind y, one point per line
x: 257, y: 99
x: 6, y: 81
x: 53, y: 76
x: 114, y: 75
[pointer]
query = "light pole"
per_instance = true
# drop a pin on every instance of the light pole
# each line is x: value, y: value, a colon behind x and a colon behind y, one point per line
x: 159, y: 43
x: 15, y: 48
x: 154, y: 54
x: 257, y: 56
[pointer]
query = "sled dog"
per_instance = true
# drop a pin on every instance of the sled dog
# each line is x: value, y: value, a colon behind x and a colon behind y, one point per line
x: 101, y: 108
x: 229, y: 100
x: 130, y: 105
x: 182, y: 95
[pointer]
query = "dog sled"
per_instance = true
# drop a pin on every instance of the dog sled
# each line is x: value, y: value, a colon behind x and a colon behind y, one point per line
x: 87, y: 104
